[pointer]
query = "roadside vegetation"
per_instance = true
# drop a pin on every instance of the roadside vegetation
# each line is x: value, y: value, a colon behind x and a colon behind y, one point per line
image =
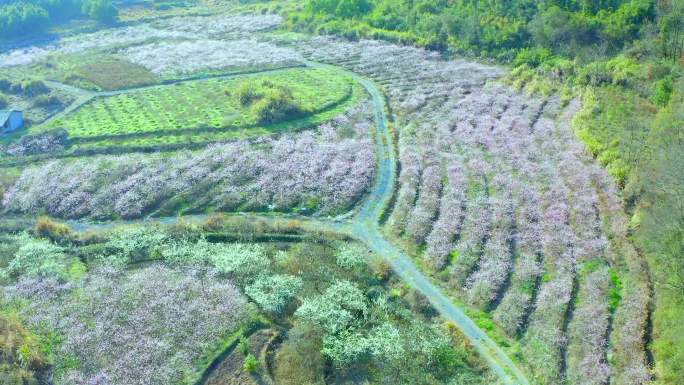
x: 623, y: 59
x: 334, y: 305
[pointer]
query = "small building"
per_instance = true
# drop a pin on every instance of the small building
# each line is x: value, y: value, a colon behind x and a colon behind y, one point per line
x: 10, y: 121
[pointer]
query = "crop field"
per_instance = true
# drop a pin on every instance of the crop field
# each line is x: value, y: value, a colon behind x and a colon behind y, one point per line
x: 202, y: 111
x: 360, y: 211
x: 325, y: 171
x: 501, y: 203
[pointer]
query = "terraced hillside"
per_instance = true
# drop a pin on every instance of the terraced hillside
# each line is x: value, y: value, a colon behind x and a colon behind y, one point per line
x: 478, y: 195
x: 506, y: 209
x: 200, y: 111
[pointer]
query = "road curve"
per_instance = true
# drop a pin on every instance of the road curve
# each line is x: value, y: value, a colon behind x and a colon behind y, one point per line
x: 365, y: 226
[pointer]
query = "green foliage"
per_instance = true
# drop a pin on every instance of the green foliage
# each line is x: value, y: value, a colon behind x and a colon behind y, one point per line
x: 490, y: 28
x: 340, y: 8
x: 243, y: 262
x: 273, y: 293
x: 662, y: 91
x: 20, y: 358
x: 342, y: 304
x: 136, y: 244
x: 49, y: 229
x: 19, y: 18
x: 22, y: 19
x: 243, y: 346
x: 671, y: 42
x: 615, y: 290
x: 351, y: 256
x: 299, y: 359
x: 36, y: 258
x: 660, y: 231
x: 533, y: 57
x: 33, y: 88
x: 203, y: 111
x: 269, y: 102
x: 101, y: 10
x: 251, y: 364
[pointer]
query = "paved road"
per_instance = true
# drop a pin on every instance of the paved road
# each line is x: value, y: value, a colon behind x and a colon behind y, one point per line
x: 365, y: 226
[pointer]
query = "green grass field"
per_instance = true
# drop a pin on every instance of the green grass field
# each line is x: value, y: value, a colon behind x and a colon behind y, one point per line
x: 191, y: 137
x: 201, y: 111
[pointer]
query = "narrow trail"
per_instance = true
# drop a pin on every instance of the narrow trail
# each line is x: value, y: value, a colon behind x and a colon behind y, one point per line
x: 364, y: 225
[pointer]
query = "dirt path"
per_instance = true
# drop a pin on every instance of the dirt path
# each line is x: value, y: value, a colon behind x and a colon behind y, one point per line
x: 365, y: 226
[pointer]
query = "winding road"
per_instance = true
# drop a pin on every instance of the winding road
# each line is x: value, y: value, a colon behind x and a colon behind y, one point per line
x: 364, y: 225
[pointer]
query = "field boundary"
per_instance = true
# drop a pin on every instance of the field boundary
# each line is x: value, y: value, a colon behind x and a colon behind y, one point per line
x: 365, y: 227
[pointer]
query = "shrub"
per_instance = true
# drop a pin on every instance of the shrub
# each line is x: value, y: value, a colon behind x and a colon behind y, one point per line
x: 49, y: 229
x: 336, y: 309
x: 21, y: 360
x: 595, y: 74
x: 251, y: 364
x: 100, y: 10
x: 270, y: 102
x: 247, y: 92
x: 4, y: 102
x: 273, y: 293
x: 136, y: 244
x: 351, y: 256
x: 47, y: 142
x: 243, y: 346
x: 661, y: 91
x: 22, y: 18
x: 244, y: 262
x: 47, y: 101
x: 37, y: 258
x: 276, y: 106
x: 533, y: 57
x: 33, y: 88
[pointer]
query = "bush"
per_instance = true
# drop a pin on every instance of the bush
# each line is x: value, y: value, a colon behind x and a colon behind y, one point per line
x: 49, y: 229
x: 32, y: 88
x: 274, y: 293
x: 37, y: 258
x: 47, y: 101
x: 4, y: 102
x: 595, y: 74
x: 47, y: 142
x: 251, y: 364
x: 21, y: 361
x: 243, y: 346
x: 661, y: 91
x: 533, y: 57
x: 22, y: 18
x: 101, y: 10
x: 270, y: 102
x: 276, y: 106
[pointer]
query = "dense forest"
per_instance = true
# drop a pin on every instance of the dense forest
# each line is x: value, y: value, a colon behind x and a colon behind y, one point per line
x: 622, y: 58
x: 20, y: 19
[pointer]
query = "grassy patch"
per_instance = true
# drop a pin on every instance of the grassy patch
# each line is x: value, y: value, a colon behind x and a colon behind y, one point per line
x: 108, y: 73
x: 613, y: 125
x: 204, y: 105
